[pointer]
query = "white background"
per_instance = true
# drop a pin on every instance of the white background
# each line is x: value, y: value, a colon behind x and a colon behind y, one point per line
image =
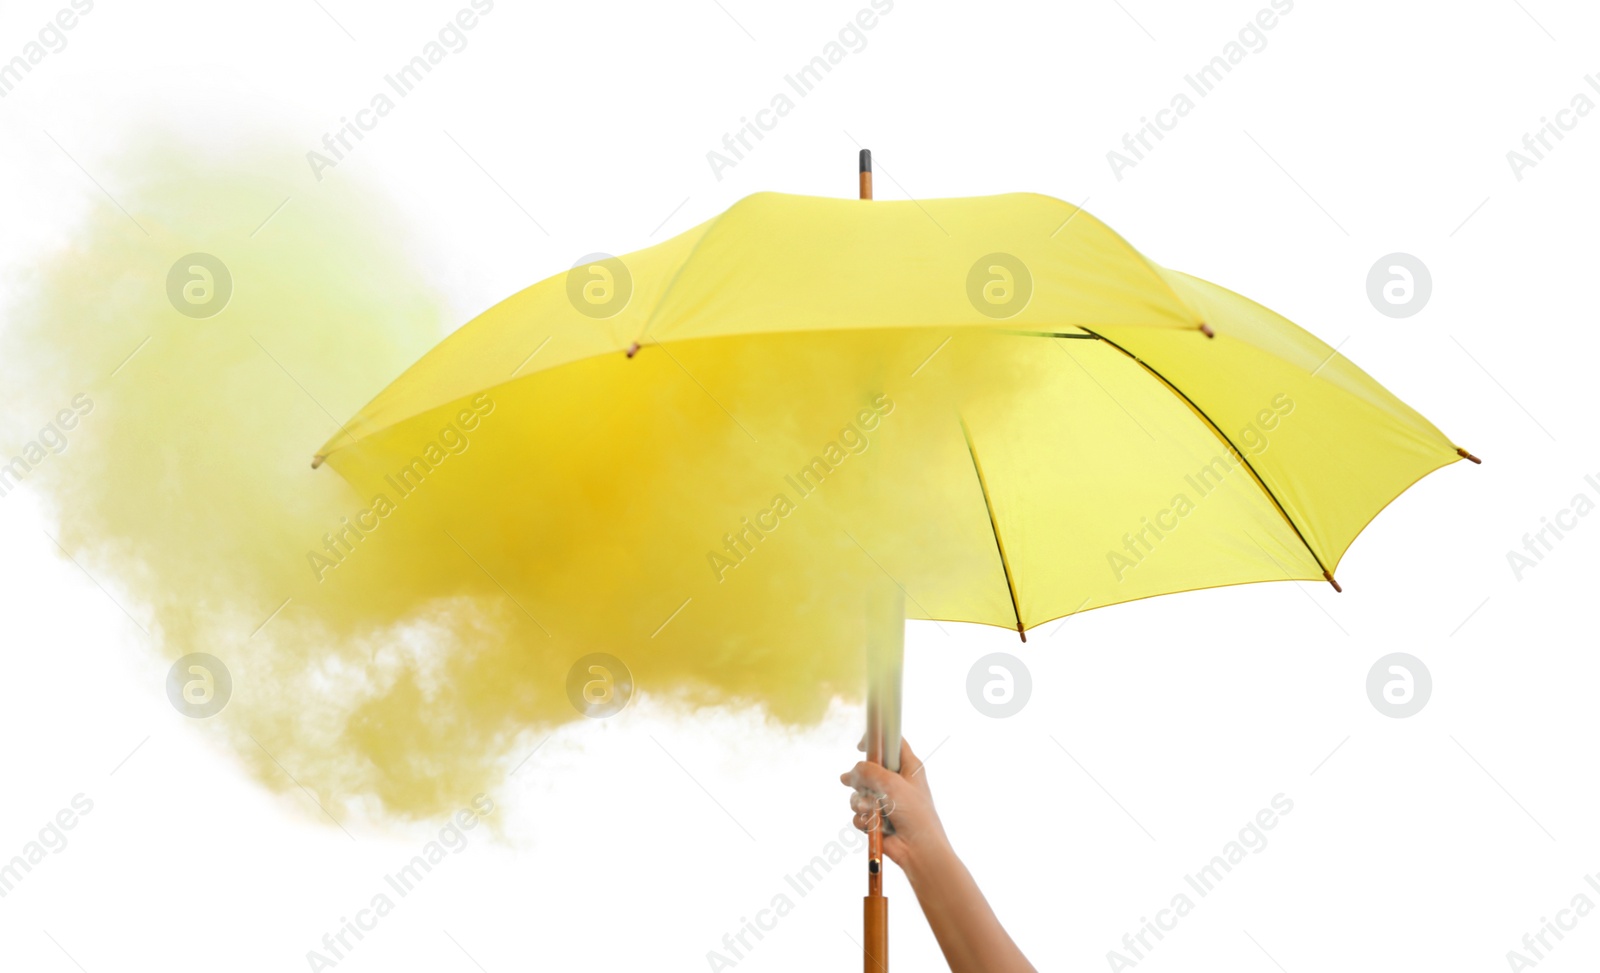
x: 1362, y: 128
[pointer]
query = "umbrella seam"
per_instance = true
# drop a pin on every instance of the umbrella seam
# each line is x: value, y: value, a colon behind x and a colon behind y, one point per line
x: 983, y: 328
x: 1148, y: 264
x: 1238, y: 454
x: 687, y: 260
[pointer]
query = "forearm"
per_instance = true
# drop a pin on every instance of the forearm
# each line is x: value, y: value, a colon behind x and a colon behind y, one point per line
x: 970, y: 935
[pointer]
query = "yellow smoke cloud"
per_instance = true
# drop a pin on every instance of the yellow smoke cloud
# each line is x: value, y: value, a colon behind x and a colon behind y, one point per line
x: 186, y: 489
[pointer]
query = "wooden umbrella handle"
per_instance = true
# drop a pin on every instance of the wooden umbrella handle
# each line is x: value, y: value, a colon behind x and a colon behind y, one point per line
x: 875, y: 928
x: 886, y: 614
x: 875, y: 908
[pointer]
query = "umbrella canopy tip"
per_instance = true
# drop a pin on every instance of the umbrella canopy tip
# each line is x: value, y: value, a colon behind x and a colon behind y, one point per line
x: 1205, y: 329
x: 1466, y: 455
x: 1022, y: 633
x: 633, y: 349
x: 1329, y: 575
x: 316, y: 460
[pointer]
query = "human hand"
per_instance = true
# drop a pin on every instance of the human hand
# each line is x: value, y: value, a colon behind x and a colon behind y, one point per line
x: 969, y: 934
x: 913, y: 830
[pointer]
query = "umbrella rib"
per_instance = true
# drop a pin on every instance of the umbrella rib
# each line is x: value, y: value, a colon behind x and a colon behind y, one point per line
x: 994, y: 529
x: 1237, y: 452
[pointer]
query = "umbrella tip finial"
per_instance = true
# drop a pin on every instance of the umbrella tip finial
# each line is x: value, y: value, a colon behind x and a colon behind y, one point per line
x: 1466, y: 455
x: 866, y: 160
x: 1205, y: 329
x: 633, y: 349
x: 1022, y: 633
x: 866, y: 173
x: 316, y: 461
x: 1329, y: 575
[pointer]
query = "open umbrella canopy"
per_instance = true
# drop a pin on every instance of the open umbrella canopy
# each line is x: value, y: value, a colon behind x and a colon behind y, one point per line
x: 994, y: 403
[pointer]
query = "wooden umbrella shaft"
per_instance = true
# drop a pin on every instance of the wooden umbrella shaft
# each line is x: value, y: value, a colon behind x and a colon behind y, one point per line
x: 885, y: 645
x: 875, y: 907
x: 875, y: 922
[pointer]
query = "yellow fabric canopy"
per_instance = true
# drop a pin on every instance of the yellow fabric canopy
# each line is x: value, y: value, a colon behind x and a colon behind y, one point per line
x: 995, y: 403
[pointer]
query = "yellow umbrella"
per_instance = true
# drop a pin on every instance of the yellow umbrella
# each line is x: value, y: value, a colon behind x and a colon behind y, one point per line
x: 995, y: 403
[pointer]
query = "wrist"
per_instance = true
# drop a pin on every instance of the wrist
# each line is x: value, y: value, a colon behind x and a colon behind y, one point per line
x: 929, y: 861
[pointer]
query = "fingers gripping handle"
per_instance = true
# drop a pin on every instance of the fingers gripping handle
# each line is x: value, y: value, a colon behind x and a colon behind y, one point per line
x: 885, y: 618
